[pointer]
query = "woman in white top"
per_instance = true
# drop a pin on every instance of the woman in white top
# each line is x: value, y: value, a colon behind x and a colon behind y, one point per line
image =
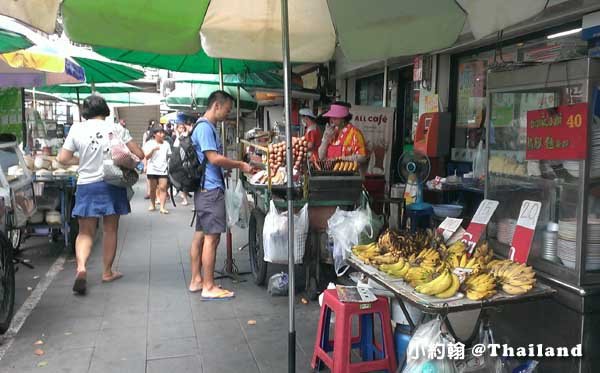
x: 157, y: 152
x: 95, y: 198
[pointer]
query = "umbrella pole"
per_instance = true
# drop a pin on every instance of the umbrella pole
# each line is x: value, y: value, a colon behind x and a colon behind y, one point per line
x: 290, y: 184
x: 78, y: 103
x: 221, y: 74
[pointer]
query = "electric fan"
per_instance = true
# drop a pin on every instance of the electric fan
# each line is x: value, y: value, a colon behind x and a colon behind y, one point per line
x: 414, y: 169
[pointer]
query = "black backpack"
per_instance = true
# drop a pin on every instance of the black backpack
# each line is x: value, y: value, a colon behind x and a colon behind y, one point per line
x: 186, y: 172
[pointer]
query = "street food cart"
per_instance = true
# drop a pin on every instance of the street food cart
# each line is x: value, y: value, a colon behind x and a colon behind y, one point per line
x: 322, y: 188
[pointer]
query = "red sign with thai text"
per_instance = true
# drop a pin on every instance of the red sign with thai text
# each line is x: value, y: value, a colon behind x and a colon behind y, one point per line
x: 558, y: 133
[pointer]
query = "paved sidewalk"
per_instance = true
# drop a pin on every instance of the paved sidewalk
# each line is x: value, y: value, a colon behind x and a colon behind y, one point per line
x: 149, y: 322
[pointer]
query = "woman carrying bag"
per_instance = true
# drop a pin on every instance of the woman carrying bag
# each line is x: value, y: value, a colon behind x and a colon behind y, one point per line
x: 95, y: 198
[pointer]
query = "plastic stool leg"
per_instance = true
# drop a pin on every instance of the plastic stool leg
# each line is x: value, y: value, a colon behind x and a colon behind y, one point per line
x: 342, y: 345
x: 323, y: 322
x: 325, y: 343
x: 366, y: 337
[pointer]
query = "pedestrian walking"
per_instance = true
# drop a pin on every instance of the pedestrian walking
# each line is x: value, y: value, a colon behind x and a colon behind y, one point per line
x: 209, y: 200
x: 181, y: 131
x: 95, y: 198
x: 157, y: 152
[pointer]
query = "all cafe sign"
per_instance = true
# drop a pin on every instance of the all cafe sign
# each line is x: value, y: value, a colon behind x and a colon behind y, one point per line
x: 377, y: 125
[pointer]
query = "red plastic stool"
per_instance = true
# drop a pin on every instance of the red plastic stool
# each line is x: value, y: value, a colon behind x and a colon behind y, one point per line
x: 374, y: 356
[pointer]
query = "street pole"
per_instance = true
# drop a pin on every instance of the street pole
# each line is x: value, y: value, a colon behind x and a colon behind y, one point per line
x: 287, y: 77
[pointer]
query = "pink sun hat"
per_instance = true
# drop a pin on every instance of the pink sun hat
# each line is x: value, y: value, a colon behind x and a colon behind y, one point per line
x: 337, y: 111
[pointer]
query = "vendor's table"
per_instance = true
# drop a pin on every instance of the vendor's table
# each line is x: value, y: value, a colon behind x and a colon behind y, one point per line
x: 404, y: 294
x: 68, y: 228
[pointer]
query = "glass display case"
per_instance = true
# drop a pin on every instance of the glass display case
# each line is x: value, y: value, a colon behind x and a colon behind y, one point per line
x: 566, y: 245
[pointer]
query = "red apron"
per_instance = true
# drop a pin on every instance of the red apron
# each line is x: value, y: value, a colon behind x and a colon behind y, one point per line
x: 336, y: 148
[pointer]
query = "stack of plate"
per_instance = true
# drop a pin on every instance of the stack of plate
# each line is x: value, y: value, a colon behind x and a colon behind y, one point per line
x: 595, y: 153
x: 550, y: 242
x: 506, y: 230
x: 566, y: 252
x: 572, y: 167
x: 567, y: 234
x: 568, y: 230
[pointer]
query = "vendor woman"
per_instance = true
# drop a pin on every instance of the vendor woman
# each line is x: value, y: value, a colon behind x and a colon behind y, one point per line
x: 341, y: 140
x: 311, y: 131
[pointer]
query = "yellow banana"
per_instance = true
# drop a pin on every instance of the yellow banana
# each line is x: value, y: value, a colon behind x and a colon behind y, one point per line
x: 437, y: 285
x: 452, y: 290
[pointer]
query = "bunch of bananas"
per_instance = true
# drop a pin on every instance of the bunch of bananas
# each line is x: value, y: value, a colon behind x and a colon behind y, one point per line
x: 480, y: 286
x: 398, y: 269
x: 484, y: 252
x: 514, y: 278
x: 428, y: 258
x: 416, y: 276
x: 445, y: 285
x: 405, y: 244
x: 366, y: 252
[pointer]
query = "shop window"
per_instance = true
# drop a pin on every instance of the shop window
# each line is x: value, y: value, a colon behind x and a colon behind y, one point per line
x: 472, y: 69
x: 369, y: 90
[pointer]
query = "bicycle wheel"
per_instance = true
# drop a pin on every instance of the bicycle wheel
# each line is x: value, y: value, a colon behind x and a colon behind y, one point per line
x: 7, y: 283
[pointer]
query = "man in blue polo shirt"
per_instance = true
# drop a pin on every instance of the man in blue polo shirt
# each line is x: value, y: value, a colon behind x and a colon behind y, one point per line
x: 209, y: 200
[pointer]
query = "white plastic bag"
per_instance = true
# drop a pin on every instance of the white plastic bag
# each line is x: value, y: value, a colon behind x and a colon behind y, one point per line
x: 275, y: 235
x: 419, y: 351
x: 244, y: 214
x: 345, y: 228
x: 232, y: 205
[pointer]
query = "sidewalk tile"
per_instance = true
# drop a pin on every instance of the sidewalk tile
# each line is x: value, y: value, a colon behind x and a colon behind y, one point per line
x: 183, y: 364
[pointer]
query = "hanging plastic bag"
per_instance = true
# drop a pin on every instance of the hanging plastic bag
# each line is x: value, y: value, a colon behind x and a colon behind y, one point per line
x: 120, y: 153
x: 245, y: 211
x: 482, y: 363
x: 233, y: 201
x: 345, y: 228
x: 428, y: 350
x: 372, y: 230
x: 275, y: 235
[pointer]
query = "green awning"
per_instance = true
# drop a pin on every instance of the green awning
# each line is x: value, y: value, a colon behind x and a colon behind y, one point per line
x: 85, y: 88
x: 111, y: 98
x: 191, y: 63
x: 195, y: 96
x: 11, y: 41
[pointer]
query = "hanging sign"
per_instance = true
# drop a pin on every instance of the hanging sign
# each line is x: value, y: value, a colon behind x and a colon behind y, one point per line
x: 377, y: 126
x: 521, y: 242
x: 480, y: 220
x: 558, y: 133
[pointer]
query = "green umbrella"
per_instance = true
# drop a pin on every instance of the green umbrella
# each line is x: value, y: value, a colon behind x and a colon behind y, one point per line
x: 249, y: 80
x: 191, y: 63
x: 111, y: 98
x: 11, y: 41
x: 85, y: 88
x: 186, y: 96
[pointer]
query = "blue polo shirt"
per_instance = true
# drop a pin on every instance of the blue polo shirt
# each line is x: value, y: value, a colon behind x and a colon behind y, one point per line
x: 205, y: 138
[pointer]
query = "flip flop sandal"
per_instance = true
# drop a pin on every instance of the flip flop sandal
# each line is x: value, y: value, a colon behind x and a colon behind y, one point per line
x: 115, y: 277
x: 80, y: 285
x: 222, y: 295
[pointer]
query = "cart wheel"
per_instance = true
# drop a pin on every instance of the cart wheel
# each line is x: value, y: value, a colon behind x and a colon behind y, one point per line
x: 312, y: 292
x: 255, y: 247
x: 7, y: 283
x: 15, y: 237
